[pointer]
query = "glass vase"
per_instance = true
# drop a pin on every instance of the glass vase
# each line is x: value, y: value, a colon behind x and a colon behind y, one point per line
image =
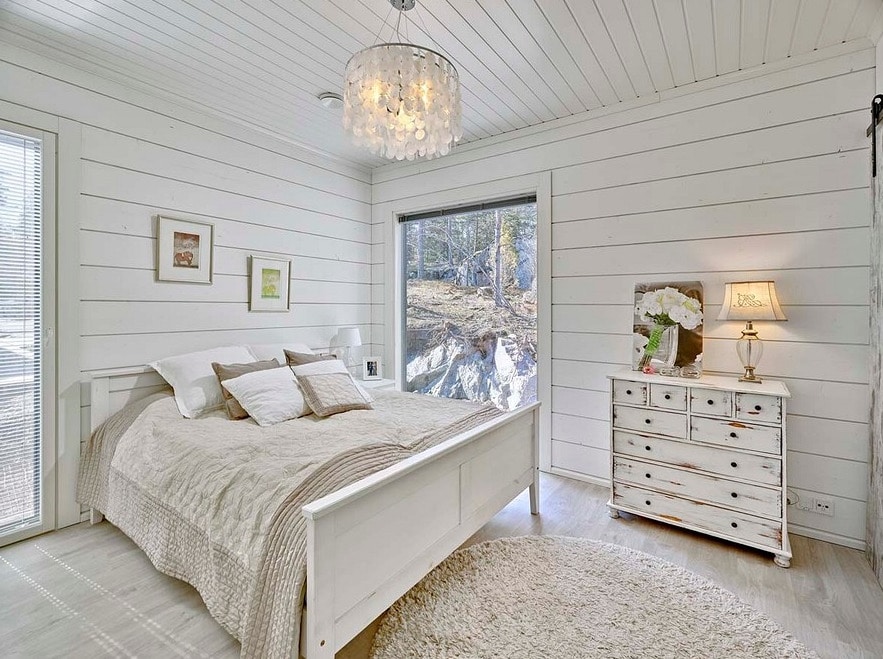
x: 661, y: 348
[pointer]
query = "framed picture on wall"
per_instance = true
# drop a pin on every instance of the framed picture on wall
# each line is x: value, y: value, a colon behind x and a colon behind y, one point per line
x: 184, y: 250
x: 269, y: 284
x: 372, y: 368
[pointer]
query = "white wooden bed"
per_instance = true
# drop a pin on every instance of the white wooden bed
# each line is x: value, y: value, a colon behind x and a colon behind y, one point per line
x: 368, y: 543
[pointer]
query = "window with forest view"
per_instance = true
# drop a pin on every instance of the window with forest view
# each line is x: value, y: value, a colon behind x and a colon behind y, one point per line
x: 470, y: 320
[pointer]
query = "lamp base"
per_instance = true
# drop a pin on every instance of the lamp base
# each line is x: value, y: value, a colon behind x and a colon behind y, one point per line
x: 750, y: 377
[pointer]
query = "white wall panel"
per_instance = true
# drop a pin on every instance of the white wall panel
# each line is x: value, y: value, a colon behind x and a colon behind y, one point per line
x: 764, y: 178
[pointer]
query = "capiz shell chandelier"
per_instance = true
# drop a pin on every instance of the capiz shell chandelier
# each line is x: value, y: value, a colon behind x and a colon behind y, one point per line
x: 402, y: 101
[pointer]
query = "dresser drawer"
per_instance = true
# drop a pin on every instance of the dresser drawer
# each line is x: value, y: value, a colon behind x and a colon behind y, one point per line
x: 736, y: 434
x: 655, y: 421
x: 731, y: 494
x: 755, y: 407
x: 668, y: 397
x: 634, y: 393
x: 711, y: 401
x: 740, y: 526
x: 757, y: 468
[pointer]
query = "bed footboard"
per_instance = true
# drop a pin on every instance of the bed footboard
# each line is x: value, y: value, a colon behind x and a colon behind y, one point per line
x: 368, y: 543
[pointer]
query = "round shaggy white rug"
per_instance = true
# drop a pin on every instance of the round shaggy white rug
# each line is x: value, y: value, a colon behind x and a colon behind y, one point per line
x: 546, y: 596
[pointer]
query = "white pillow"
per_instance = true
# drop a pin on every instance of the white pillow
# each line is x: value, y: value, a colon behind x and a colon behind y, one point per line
x: 276, y: 351
x: 191, y: 375
x: 269, y: 396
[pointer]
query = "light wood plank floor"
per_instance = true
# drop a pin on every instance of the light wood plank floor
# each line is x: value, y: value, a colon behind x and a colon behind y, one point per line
x: 89, y: 592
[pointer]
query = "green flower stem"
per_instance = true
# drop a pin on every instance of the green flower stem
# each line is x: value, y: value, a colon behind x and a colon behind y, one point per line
x: 652, y: 345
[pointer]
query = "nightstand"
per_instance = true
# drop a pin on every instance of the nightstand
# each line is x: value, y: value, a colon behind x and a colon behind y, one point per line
x: 377, y: 384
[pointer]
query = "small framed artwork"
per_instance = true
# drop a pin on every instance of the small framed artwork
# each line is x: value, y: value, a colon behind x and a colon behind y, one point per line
x: 184, y: 250
x: 371, y: 368
x: 269, y: 284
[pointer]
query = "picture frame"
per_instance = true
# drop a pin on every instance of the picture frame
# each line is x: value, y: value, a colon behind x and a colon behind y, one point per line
x: 372, y: 368
x: 269, y: 284
x: 680, y: 346
x: 184, y: 250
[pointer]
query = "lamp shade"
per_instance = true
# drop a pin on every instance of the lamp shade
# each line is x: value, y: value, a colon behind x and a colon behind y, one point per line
x: 349, y: 336
x: 751, y: 300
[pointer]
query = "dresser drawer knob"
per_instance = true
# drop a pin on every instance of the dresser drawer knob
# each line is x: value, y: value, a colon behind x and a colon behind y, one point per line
x: 757, y: 407
x: 628, y: 392
x: 733, y: 465
x: 710, y: 401
x: 647, y: 421
x: 735, y: 495
x: 647, y: 502
x: 647, y: 447
x: 734, y: 525
x: 733, y: 435
x: 667, y: 396
x: 647, y: 475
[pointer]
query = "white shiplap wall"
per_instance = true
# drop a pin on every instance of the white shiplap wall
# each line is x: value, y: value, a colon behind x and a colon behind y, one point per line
x: 748, y: 177
x: 137, y: 157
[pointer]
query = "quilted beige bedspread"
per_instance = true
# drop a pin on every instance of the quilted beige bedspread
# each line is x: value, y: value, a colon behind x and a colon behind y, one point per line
x: 217, y: 502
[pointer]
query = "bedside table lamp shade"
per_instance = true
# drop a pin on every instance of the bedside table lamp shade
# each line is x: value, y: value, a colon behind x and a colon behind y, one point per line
x: 348, y: 338
x: 750, y: 301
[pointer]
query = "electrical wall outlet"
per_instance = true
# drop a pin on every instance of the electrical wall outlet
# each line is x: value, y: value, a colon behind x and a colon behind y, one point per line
x: 824, y: 506
x: 820, y: 505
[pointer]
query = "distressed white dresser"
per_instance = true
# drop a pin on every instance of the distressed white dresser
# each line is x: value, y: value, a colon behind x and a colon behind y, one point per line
x: 705, y: 454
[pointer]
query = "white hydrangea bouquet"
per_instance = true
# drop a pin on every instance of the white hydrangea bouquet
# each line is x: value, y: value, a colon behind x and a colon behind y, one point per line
x: 666, y: 307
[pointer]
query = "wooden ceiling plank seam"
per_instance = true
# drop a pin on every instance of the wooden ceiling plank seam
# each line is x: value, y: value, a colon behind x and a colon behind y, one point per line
x: 164, y: 54
x: 451, y: 22
x: 325, y: 142
x: 316, y: 22
x: 622, y: 34
x: 699, y: 15
x: 233, y: 49
x: 36, y: 39
x: 503, y: 49
x: 531, y: 16
x: 783, y: 20
x: 809, y: 25
x: 673, y: 26
x: 642, y: 15
x: 132, y: 74
x: 563, y: 23
x: 876, y: 30
x: 597, y: 36
x: 727, y: 32
x: 864, y: 17
x: 519, y: 38
x: 475, y: 102
x: 284, y: 38
x: 837, y: 21
x: 755, y: 25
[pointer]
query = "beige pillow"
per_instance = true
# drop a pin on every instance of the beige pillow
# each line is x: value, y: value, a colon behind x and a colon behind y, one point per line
x: 229, y: 371
x: 329, y: 388
x: 297, y: 358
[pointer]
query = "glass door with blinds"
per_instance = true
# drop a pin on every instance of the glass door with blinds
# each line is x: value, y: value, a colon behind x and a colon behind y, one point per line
x: 27, y: 257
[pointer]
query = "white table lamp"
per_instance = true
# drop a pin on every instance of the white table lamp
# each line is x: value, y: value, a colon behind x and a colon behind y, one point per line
x: 348, y: 338
x: 750, y: 301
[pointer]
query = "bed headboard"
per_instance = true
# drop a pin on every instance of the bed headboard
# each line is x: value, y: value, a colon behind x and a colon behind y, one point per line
x: 112, y: 389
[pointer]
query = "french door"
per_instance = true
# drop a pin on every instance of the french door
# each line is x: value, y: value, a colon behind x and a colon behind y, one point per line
x: 27, y: 345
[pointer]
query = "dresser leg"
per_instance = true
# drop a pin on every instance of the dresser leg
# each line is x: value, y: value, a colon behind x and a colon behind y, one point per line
x: 782, y: 561
x: 613, y: 512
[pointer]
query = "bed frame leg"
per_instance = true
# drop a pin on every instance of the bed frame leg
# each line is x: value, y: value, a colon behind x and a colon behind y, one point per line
x: 534, y: 492
x: 95, y: 516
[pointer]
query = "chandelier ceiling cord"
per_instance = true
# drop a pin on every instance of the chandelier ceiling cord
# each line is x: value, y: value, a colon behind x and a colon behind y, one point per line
x: 400, y: 100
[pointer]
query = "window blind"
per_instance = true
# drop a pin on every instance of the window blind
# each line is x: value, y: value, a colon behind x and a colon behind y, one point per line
x: 20, y: 331
x: 470, y: 208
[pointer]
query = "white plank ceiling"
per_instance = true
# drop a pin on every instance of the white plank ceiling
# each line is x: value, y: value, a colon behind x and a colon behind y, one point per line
x: 522, y: 62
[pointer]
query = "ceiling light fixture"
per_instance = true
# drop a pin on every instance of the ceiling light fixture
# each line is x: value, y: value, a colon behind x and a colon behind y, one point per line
x: 331, y: 100
x: 400, y: 100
